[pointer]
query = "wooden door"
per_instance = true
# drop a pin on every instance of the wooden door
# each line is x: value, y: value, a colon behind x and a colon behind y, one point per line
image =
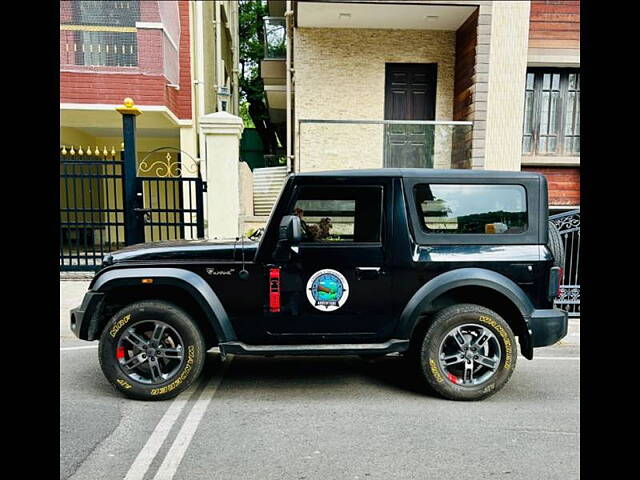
x: 410, y: 94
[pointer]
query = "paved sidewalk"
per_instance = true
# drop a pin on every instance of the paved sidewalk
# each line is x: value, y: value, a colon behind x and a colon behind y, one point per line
x: 71, y: 294
x: 573, y: 337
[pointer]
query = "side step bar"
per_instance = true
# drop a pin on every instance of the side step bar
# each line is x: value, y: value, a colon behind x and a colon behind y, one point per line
x: 391, y: 346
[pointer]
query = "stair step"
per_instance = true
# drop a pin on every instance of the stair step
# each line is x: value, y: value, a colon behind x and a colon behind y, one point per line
x: 267, y: 183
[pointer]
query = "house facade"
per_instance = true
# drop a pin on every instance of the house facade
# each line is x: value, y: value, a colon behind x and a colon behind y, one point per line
x: 437, y: 84
x: 176, y: 59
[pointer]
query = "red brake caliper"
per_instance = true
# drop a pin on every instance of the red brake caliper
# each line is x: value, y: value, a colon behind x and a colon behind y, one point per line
x: 120, y: 352
x: 452, y: 377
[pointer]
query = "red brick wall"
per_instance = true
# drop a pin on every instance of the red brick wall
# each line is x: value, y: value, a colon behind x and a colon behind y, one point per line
x: 563, y: 184
x: 67, y: 55
x: 150, y: 51
x: 554, y: 24
x: 149, y: 11
x: 110, y: 85
x: 180, y: 101
x: 111, y: 88
x: 66, y: 12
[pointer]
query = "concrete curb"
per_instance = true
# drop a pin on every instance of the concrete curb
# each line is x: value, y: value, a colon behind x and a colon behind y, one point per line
x: 84, y: 276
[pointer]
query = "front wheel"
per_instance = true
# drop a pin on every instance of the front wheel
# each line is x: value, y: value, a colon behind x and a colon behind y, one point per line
x: 468, y: 353
x: 151, y: 350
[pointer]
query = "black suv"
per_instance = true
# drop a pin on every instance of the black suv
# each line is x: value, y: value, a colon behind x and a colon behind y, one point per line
x: 445, y: 267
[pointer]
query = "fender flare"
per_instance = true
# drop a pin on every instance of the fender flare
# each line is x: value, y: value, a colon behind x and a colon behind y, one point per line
x: 191, y: 282
x: 422, y: 300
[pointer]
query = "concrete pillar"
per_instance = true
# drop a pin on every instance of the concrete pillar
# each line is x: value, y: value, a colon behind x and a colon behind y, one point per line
x: 507, y: 76
x: 190, y: 170
x: 222, y: 132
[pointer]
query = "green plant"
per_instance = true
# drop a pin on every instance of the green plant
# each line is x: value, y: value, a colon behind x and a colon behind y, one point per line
x: 251, y: 32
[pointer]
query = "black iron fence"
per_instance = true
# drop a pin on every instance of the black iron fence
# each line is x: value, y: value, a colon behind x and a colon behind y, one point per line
x: 568, y: 224
x: 91, y: 206
x: 168, y: 203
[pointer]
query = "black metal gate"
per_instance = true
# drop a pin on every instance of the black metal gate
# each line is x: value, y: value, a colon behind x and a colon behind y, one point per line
x: 568, y: 224
x: 168, y: 203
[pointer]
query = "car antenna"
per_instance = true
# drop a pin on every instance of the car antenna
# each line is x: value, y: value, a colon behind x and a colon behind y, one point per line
x: 243, y: 273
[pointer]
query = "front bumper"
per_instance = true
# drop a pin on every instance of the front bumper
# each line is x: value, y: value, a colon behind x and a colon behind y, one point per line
x: 80, y: 321
x: 548, y: 326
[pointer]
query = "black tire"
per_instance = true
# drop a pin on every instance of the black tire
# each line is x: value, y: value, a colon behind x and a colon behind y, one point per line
x: 137, y: 321
x: 556, y: 246
x: 471, y: 318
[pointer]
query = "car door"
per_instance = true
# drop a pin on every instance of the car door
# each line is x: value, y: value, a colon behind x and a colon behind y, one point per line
x: 336, y: 288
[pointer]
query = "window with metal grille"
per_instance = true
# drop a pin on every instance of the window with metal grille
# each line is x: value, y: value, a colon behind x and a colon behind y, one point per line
x: 552, y: 112
x: 108, y: 13
x: 105, y: 32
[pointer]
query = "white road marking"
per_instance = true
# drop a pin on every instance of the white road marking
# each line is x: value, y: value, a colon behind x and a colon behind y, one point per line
x: 149, y: 451
x: 576, y: 359
x: 174, y: 456
x: 548, y: 432
x: 63, y: 349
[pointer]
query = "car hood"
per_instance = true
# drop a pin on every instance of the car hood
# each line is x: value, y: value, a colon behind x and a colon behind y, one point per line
x: 184, y: 250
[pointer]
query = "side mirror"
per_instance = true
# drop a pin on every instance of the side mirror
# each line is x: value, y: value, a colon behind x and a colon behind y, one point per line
x: 289, y: 236
x: 290, y: 232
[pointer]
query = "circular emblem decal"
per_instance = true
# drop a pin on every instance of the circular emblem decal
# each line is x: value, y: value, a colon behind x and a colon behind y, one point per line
x: 327, y: 290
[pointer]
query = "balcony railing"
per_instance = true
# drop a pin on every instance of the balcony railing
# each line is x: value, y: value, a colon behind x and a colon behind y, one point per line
x: 100, y: 36
x: 340, y: 144
x: 275, y: 38
x: 98, y: 46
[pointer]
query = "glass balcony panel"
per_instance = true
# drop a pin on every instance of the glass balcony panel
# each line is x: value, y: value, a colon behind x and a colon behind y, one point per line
x: 275, y: 38
x: 341, y: 144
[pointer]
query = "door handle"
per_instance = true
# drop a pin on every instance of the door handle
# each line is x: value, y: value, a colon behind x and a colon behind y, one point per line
x: 368, y: 273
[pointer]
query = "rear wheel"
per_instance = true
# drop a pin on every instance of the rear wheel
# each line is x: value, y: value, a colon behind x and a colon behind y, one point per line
x: 468, y: 352
x: 151, y: 350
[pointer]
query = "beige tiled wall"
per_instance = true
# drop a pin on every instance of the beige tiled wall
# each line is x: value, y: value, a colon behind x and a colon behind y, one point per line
x: 340, y: 74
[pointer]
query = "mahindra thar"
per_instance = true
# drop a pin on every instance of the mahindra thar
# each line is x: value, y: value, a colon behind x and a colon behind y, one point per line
x: 444, y: 267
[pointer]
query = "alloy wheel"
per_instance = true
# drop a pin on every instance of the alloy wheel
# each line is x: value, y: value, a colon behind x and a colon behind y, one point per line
x: 150, y: 352
x: 470, y: 354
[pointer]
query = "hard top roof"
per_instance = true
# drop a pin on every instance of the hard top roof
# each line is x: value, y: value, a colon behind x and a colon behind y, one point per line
x: 420, y: 172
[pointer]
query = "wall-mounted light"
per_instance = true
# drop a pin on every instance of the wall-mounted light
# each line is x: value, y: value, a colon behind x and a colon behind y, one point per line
x: 223, y: 97
x: 344, y: 16
x: 431, y: 18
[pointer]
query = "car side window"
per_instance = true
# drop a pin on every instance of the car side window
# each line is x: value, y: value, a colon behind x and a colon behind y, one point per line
x: 340, y: 213
x: 472, y: 208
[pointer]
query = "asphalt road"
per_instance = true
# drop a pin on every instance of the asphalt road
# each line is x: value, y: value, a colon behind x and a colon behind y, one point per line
x: 317, y: 418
